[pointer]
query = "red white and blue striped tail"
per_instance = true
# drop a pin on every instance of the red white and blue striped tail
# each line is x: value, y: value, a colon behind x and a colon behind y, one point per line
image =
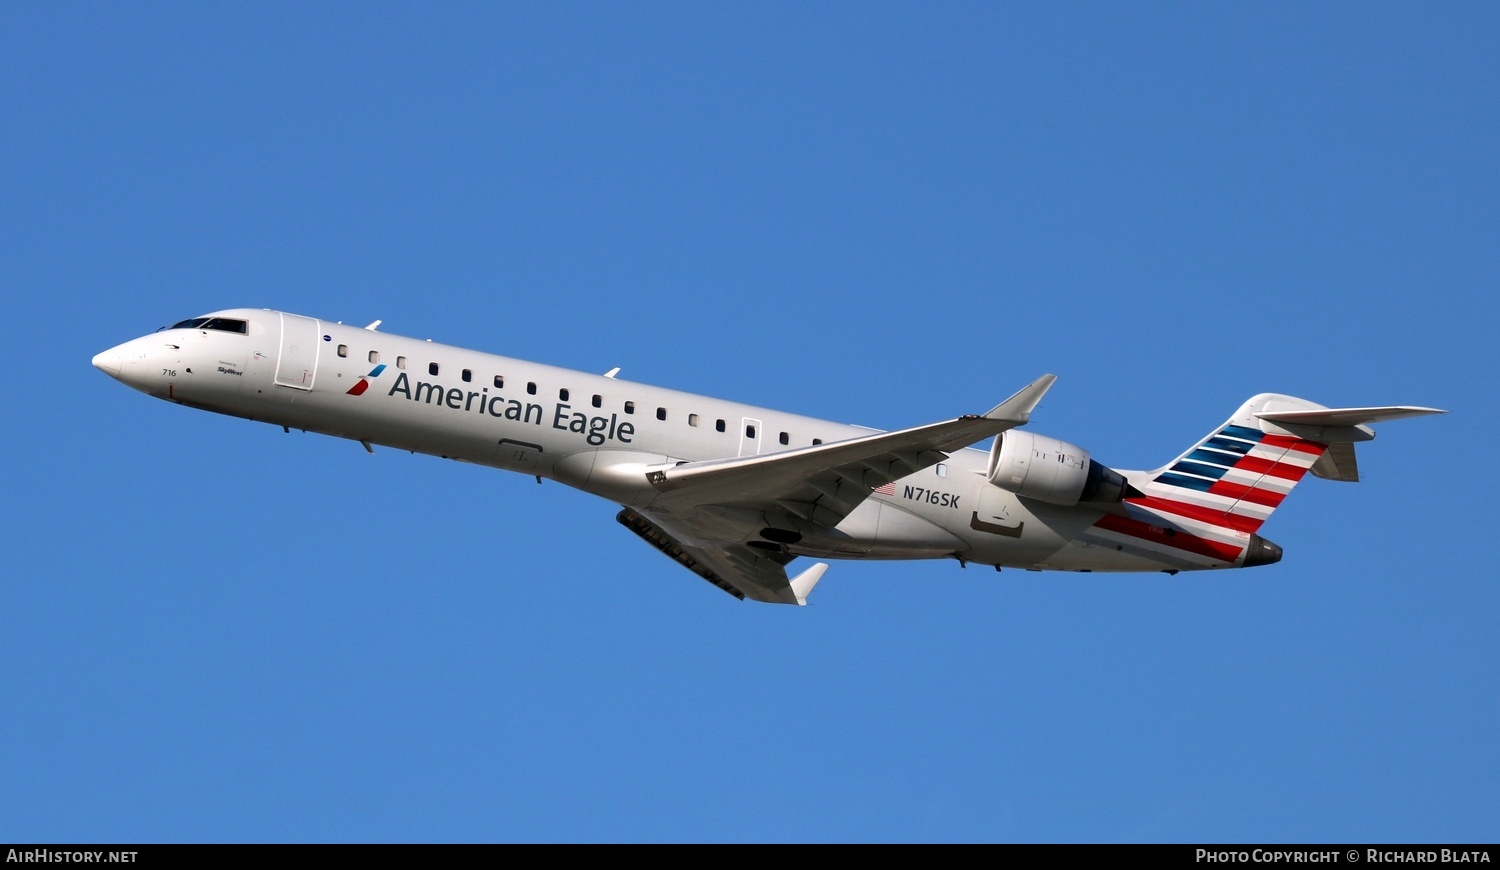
x: 1236, y: 476
x: 1204, y: 508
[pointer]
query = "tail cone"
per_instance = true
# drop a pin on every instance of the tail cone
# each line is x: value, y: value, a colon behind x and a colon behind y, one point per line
x: 1261, y: 552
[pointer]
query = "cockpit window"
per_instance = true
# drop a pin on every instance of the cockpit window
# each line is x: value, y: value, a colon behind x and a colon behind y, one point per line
x: 222, y: 324
x: 226, y: 324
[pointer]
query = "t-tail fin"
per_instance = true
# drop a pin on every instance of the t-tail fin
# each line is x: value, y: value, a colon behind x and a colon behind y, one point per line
x: 1239, y: 473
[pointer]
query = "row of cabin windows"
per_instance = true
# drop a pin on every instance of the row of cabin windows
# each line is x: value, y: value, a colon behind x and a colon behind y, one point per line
x: 598, y: 401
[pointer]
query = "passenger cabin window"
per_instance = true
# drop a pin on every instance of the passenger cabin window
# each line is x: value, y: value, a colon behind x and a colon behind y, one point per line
x: 692, y: 419
x: 531, y: 387
x: 630, y: 407
x: 343, y: 350
x: 374, y: 356
x: 749, y: 431
x: 719, y: 425
x: 467, y: 375
x: 942, y: 470
x: 432, y: 368
x: 817, y: 441
x: 562, y: 394
x: 400, y: 362
x: 598, y: 401
x: 785, y: 439
x: 661, y: 413
x: 499, y: 382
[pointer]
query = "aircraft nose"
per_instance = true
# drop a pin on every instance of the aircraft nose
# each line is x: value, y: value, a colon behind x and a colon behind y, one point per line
x: 109, y: 362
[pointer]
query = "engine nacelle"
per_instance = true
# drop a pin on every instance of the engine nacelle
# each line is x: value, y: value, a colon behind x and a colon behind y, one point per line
x: 1052, y: 471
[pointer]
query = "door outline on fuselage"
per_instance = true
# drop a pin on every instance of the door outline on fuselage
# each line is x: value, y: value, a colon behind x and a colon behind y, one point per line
x: 749, y: 445
x: 297, y: 358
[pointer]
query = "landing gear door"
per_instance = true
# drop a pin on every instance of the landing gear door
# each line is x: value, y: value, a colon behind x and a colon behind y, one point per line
x: 297, y: 363
x: 994, y: 514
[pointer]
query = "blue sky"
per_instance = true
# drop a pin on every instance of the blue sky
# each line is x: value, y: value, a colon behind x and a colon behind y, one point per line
x: 878, y: 213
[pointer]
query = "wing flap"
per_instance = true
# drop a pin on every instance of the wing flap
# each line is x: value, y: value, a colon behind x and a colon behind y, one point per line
x: 742, y: 571
x: 820, y: 484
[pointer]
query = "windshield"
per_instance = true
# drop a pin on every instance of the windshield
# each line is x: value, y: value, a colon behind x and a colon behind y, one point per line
x: 222, y: 324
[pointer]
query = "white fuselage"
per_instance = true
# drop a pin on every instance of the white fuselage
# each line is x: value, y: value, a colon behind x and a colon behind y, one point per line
x: 596, y: 433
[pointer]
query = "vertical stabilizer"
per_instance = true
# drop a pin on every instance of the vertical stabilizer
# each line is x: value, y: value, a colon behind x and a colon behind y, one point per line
x: 1203, y: 509
x: 1240, y: 472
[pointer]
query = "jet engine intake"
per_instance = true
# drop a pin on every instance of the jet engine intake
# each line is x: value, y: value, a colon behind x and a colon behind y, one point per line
x: 1052, y: 471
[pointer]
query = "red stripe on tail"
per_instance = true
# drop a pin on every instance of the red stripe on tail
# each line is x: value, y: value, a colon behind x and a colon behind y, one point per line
x: 1297, y: 444
x: 1283, y: 470
x: 1197, y: 512
x: 1246, y: 493
x: 1169, y: 537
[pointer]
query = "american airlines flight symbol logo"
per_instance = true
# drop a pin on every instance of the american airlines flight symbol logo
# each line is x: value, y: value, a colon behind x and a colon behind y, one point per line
x: 364, y: 382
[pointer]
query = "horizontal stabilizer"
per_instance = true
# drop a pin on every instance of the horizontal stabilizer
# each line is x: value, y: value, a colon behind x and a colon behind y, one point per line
x: 1347, y: 416
x: 1338, y: 462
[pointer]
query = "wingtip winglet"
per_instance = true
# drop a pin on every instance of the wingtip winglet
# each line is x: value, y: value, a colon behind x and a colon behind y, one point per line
x: 802, y: 585
x: 1018, y: 408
